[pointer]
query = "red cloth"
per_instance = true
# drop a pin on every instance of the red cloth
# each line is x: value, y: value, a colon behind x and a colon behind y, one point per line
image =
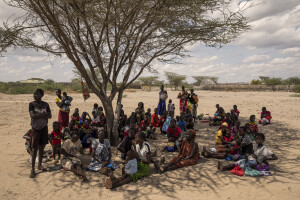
x: 175, y: 132
x: 143, y: 125
x: 237, y: 171
x: 161, y: 121
x: 57, y: 138
x: 154, y: 120
x: 228, y: 139
x: 63, y: 119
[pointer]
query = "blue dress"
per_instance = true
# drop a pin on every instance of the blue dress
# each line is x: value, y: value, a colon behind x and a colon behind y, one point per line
x: 161, y: 108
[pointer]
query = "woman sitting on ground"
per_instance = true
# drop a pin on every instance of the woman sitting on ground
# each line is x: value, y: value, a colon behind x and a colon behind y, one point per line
x: 71, y: 150
x: 188, y: 155
x: 265, y: 116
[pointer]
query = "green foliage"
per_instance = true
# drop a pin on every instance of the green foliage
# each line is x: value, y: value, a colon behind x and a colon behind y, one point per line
x: 255, y: 82
x: 148, y: 81
x: 292, y: 81
x: 175, y: 79
x: 271, y: 81
x: 23, y: 88
x: 296, y: 89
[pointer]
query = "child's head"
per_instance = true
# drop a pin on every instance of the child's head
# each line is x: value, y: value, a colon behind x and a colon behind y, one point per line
x: 100, y: 108
x: 264, y: 109
x: 170, y: 100
x: 140, y: 138
x: 84, y: 115
x: 76, y: 110
x: 165, y: 113
x: 227, y: 115
x: 58, y: 92
x: 182, y: 88
x: 95, y: 105
x: 173, y: 123
x: 224, y: 126
x: 131, y: 133
x: 181, y: 117
x: 260, y: 138
x: 191, y: 135
x: 155, y: 110
x: 149, y: 110
x: 132, y: 123
x: 55, y: 126
x: 130, y: 155
x: 140, y: 105
x: 192, y: 91
x: 217, y: 106
x: 234, y: 107
x: 162, y: 87
x: 252, y: 118
x: 75, y: 136
x: 65, y: 94
x: 101, y: 135
x: 242, y: 131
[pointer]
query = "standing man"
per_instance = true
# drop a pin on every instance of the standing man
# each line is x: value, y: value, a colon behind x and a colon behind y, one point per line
x: 40, y: 113
x: 194, y: 100
x: 163, y: 96
x: 63, y: 113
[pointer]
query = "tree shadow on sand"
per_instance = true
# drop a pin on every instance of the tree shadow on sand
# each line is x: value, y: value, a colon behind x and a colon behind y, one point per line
x: 203, y: 177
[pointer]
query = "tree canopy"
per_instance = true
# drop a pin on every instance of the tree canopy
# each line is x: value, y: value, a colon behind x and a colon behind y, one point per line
x: 175, y: 79
x: 118, y: 40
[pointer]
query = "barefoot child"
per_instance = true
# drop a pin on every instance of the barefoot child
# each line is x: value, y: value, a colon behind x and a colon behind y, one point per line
x: 55, y: 138
x: 128, y: 172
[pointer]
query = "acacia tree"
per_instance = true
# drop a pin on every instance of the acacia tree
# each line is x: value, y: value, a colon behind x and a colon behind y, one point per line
x: 121, y: 38
x: 148, y: 81
x: 175, y: 79
x: 199, y: 79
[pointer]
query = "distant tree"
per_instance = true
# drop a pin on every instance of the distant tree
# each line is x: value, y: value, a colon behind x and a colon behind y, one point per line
x: 199, y: 79
x: 175, y: 79
x: 148, y: 81
x: 255, y: 82
x: 49, y: 81
x: 292, y: 81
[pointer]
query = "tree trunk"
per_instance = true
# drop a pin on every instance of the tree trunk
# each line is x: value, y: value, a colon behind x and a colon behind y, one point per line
x: 115, y: 132
x: 109, y: 111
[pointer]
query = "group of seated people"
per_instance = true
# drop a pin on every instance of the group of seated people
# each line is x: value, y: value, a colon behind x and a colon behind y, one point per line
x: 233, y: 142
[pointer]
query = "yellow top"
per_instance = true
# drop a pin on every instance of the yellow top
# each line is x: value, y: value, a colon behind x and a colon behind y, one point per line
x: 218, y: 139
x: 59, y: 100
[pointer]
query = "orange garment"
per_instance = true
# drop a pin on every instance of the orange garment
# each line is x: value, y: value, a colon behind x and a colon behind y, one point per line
x: 154, y: 120
x: 186, y: 150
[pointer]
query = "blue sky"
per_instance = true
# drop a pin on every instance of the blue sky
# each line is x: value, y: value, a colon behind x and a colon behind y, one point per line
x: 271, y: 48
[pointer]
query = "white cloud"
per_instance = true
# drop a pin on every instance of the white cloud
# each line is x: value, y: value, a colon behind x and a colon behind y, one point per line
x: 291, y: 50
x: 256, y: 58
x: 33, y: 59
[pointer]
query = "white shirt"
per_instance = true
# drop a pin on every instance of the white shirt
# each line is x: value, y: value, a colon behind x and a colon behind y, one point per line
x: 131, y: 166
x: 143, y: 151
x: 261, y: 153
x: 96, y: 142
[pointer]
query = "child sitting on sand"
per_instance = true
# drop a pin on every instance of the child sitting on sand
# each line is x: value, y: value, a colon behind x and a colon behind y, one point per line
x: 181, y: 123
x: 128, y: 172
x: 265, y: 116
x: 190, y: 124
x: 174, y: 133
x: 55, y: 138
x: 252, y: 127
x: 155, y: 118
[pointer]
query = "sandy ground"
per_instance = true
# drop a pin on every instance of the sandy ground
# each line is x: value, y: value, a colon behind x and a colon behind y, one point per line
x: 202, y: 181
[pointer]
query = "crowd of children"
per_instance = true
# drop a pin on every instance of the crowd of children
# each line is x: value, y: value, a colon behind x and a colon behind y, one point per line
x: 232, y: 141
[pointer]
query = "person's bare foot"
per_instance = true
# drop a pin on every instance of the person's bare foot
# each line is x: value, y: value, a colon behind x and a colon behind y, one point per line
x: 32, y: 174
x: 108, y: 183
x: 42, y: 168
x: 221, y: 167
x: 162, y: 160
x: 218, y: 164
